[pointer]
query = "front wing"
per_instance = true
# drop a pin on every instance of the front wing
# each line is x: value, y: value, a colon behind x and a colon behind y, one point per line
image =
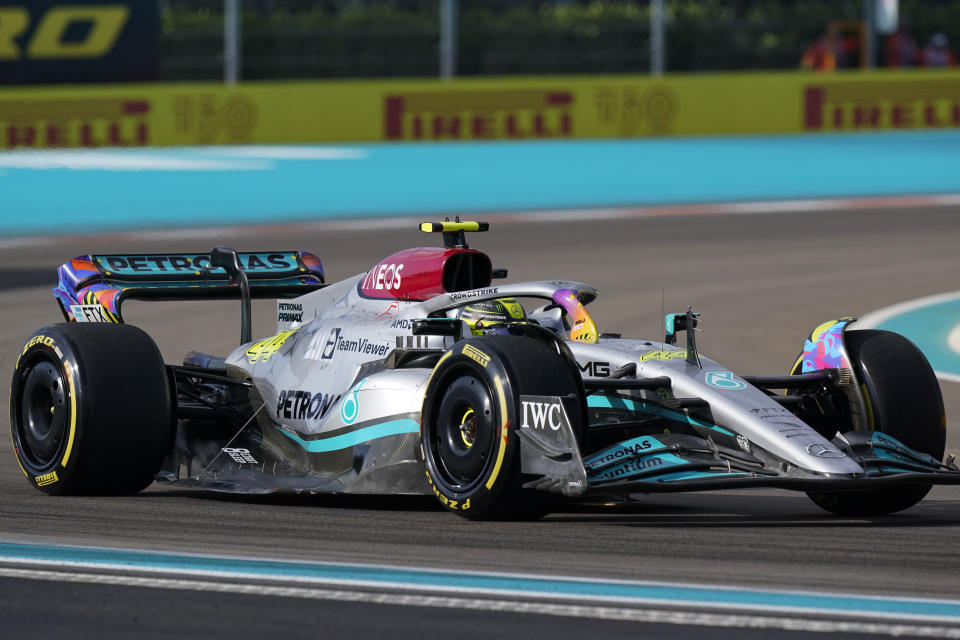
x: 674, y: 462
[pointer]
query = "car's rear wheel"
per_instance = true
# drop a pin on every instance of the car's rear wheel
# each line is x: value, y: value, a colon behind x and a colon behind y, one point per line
x: 470, y: 416
x: 903, y: 400
x: 90, y: 409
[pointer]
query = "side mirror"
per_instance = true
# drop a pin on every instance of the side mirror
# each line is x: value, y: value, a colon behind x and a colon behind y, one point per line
x: 684, y: 322
x: 438, y: 327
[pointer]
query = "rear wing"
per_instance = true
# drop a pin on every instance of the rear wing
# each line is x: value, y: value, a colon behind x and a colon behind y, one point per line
x: 92, y: 288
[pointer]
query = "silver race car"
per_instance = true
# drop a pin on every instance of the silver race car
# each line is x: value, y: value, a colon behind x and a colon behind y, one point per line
x: 427, y: 375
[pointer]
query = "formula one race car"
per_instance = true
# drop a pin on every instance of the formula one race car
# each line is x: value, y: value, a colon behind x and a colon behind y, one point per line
x: 423, y: 376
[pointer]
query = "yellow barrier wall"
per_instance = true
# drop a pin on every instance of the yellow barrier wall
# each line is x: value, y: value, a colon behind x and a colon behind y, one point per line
x: 465, y: 109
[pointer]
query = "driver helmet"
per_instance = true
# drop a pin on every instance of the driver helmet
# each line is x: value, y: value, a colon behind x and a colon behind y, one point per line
x: 481, y: 316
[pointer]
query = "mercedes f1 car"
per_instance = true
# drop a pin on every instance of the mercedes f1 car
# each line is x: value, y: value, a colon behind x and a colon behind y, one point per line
x: 425, y: 375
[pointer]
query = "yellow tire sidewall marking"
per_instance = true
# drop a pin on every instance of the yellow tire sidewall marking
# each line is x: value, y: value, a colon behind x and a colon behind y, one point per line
x: 73, y: 413
x: 503, y: 432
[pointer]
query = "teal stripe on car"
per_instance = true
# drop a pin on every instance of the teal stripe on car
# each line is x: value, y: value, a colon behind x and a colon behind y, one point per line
x: 606, y: 402
x: 347, y: 440
x: 695, y: 475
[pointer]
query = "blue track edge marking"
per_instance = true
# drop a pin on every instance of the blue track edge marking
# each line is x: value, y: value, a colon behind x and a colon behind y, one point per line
x: 107, y: 190
x: 491, y: 583
x: 927, y: 322
x: 928, y: 328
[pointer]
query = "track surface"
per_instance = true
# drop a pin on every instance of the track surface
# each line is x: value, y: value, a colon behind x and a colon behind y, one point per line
x: 761, y: 281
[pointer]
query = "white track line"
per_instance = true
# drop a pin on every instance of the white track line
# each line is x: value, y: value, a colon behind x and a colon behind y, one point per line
x: 512, y: 217
x: 277, y: 152
x: 29, y: 241
x: 106, y: 161
x: 953, y: 339
x: 878, y: 317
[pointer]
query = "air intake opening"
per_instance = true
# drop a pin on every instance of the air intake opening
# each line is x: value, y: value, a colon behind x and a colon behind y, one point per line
x: 465, y: 271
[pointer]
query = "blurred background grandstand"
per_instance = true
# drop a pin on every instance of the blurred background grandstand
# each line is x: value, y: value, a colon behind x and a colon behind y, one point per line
x: 403, y: 38
x: 195, y: 72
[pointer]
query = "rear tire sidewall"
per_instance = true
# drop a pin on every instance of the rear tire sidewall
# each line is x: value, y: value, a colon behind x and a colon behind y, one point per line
x: 116, y: 410
x: 44, y: 468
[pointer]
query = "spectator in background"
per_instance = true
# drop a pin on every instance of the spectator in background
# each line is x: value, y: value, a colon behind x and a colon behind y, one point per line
x: 827, y: 53
x: 938, y: 53
x: 900, y: 49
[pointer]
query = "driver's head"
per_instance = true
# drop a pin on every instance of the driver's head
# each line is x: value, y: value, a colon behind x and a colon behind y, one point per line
x: 480, y: 316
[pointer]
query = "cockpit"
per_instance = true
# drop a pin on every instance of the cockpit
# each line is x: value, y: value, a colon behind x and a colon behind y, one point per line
x: 562, y: 309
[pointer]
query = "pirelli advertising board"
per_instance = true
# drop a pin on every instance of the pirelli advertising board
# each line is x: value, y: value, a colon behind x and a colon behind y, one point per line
x: 476, y: 109
x: 44, y: 41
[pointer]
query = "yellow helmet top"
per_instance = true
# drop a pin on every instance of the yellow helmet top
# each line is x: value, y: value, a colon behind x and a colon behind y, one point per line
x: 485, y: 314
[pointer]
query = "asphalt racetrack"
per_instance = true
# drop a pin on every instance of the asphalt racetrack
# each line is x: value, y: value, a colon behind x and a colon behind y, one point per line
x: 761, y: 281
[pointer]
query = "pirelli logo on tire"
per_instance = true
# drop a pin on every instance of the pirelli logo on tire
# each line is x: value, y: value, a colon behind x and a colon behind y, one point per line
x: 475, y: 354
x: 46, y: 479
x: 78, y: 40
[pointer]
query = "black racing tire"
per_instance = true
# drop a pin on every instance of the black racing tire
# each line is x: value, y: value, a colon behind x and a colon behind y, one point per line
x: 91, y: 410
x: 903, y: 400
x: 475, y: 471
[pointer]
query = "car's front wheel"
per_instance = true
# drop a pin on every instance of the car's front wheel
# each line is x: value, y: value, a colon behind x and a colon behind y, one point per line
x: 903, y: 399
x: 471, y: 414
